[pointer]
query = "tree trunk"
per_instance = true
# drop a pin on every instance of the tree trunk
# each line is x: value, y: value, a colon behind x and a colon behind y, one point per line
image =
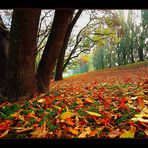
x: 23, y: 33
x: 60, y: 62
x: 140, y: 54
x: 4, y: 43
x: 131, y: 49
x: 59, y: 67
x: 52, y: 49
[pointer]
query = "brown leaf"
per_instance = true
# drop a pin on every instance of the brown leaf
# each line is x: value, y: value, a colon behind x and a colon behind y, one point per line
x: 114, y: 133
x: 85, y: 133
x: 40, y: 132
x: 22, y: 129
x: 2, y: 135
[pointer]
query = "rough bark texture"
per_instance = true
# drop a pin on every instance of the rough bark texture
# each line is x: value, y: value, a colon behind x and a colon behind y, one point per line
x: 52, y: 49
x: 60, y: 62
x: 4, y: 43
x: 23, y: 33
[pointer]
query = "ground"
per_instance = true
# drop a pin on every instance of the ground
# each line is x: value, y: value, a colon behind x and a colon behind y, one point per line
x: 109, y: 103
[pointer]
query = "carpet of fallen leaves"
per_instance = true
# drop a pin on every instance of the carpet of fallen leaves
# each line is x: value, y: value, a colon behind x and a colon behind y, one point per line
x: 111, y: 103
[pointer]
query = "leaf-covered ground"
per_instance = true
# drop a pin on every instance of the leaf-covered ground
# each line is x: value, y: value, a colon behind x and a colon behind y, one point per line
x: 111, y: 103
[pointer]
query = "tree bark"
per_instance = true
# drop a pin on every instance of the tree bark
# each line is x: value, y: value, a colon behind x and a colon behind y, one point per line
x: 4, y: 43
x: 60, y: 62
x: 52, y: 49
x: 23, y: 33
x: 140, y: 54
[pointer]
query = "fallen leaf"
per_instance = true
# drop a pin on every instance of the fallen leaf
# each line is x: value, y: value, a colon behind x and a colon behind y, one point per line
x: 144, y: 110
x: 73, y: 131
x: 114, y: 133
x: 42, y: 100
x: 57, y: 107
x: 22, y: 129
x: 66, y: 114
x: 93, y: 113
x: 2, y: 135
x: 40, y: 132
x: 140, y: 103
x: 129, y: 134
x: 140, y: 117
x: 146, y: 131
x: 86, y: 132
x: 69, y: 122
x: 88, y: 100
x: 79, y: 101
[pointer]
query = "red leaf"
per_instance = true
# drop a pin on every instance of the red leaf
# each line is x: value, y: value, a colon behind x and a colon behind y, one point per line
x: 100, y: 96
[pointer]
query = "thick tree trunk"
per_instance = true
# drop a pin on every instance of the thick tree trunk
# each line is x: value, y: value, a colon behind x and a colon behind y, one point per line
x: 23, y: 33
x: 60, y: 62
x: 4, y: 43
x: 52, y: 49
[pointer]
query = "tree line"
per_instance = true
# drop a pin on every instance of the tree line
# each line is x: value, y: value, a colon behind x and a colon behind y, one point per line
x: 125, y: 43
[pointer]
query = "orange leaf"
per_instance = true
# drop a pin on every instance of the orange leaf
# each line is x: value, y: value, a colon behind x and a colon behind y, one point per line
x: 88, y: 100
x: 73, y: 131
x: 69, y: 122
x: 79, y: 101
x: 140, y: 103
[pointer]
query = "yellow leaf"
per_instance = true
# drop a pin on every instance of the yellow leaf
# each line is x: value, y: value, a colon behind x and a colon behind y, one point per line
x: 21, y: 129
x: 78, y: 101
x: 144, y: 110
x: 129, y: 134
x: 57, y: 107
x: 17, y: 115
x: 86, y: 132
x: 4, y: 134
x: 42, y: 100
x: 40, y: 132
x: 140, y: 117
x: 146, y: 132
x: 89, y: 100
x: 134, y: 98
x: 93, y: 113
x: 66, y: 114
x: 73, y: 131
x: 140, y: 93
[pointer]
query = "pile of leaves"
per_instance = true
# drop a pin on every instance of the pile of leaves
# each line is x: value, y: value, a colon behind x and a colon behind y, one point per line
x: 110, y: 103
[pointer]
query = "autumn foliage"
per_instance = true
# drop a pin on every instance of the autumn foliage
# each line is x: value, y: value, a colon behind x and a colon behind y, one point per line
x: 110, y: 103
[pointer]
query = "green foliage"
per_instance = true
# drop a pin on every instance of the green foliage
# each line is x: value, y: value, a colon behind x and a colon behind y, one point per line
x: 5, y: 111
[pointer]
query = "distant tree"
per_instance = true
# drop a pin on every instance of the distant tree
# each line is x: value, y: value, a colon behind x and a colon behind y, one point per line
x: 143, y: 35
x: 21, y: 64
